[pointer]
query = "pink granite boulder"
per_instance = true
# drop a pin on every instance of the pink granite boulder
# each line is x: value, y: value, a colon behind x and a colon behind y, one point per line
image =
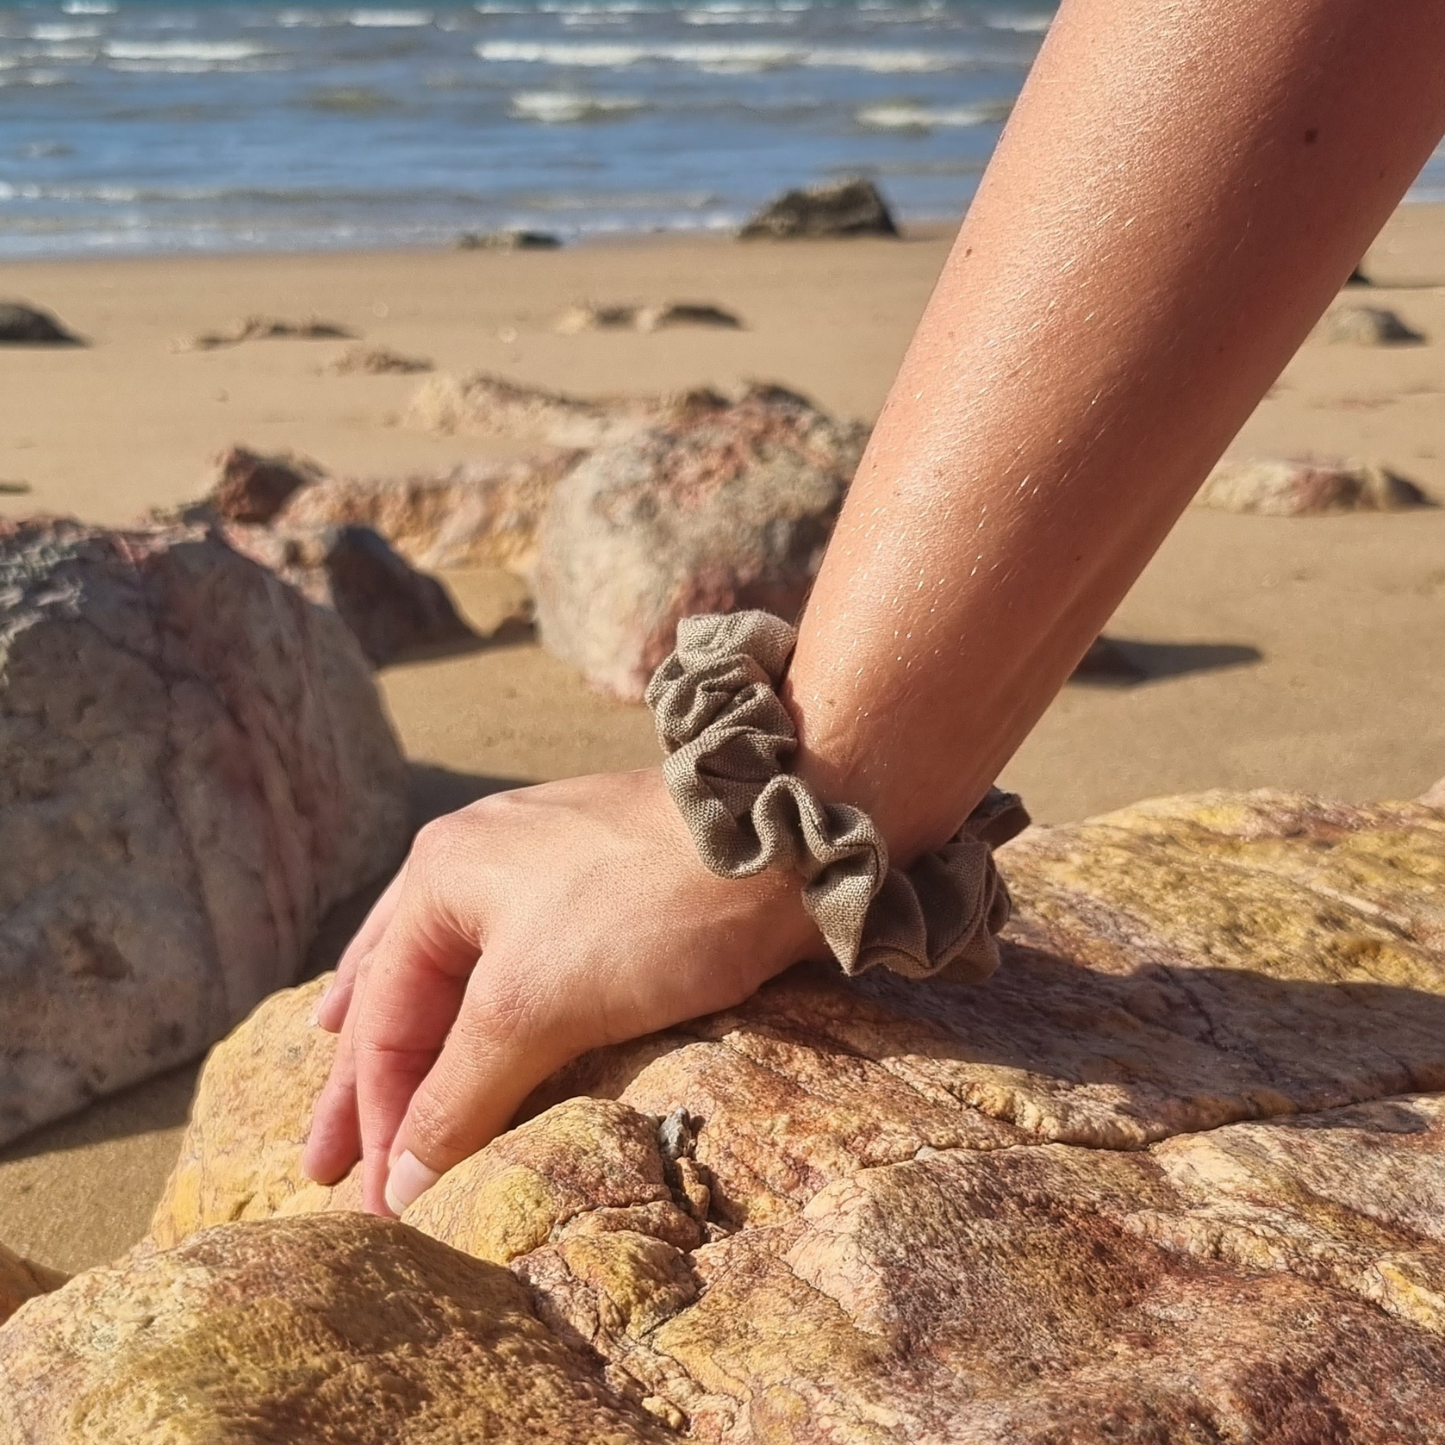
x: 194, y: 766
x: 713, y: 508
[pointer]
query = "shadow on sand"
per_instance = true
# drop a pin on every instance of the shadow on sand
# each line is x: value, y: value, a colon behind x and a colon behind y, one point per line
x: 1117, y: 662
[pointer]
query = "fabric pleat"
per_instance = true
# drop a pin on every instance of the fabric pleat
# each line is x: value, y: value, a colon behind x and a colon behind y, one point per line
x: 729, y: 742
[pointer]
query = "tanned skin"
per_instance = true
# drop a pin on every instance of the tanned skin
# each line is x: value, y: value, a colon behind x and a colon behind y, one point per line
x: 1179, y: 193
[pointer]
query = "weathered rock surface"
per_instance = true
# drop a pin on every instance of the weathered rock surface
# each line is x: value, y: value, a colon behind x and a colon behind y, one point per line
x: 22, y: 325
x: 842, y: 208
x: 390, y: 607
x: 194, y: 766
x: 1306, y: 489
x: 1176, y: 1173
x: 344, y: 1329
x: 1366, y: 326
x: 251, y: 487
x: 23, y: 1279
x: 718, y: 508
x: 478, y: 514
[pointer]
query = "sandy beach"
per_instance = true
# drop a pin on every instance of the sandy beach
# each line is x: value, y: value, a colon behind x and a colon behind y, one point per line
x: 1278, y: 652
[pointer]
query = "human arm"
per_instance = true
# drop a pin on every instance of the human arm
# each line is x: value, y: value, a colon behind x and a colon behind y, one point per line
x: 1178, y: 195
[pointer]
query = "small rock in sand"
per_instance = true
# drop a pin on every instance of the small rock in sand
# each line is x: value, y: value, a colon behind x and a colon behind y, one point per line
x: 1283, y: 488
x: 375, y: 361
x: 1366, y: 326
x: 251, y: 488
x: 645, y: 318
x: 27, y: 326
x: 1106, y: 662
x: 266, y: 328
x: 844, y: 208
x: 510, y: 240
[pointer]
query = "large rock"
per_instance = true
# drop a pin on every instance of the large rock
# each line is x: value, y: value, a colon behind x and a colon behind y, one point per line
x: 1175, y: 1173
x: 717, y: 508
x: 23, y: 1279
x: 1271, y: 488
x: 478, y: 514
x: 346, y: 1329
x: 841, y: 208
x: 194, y: 766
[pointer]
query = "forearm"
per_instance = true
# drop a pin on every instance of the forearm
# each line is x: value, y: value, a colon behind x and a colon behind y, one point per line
x: 1179, y: 194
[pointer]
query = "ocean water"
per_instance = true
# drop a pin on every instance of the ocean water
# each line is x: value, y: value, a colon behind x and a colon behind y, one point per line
x: 170, y: 125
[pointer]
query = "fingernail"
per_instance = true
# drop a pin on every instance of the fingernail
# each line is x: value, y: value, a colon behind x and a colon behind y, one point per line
x: 408, y: 1181
x: 320, y: 1004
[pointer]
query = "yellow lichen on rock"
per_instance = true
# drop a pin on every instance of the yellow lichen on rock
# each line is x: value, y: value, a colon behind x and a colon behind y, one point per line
x: 241, y: 1154
x: 341, y: 1328
x: 581, y: 1155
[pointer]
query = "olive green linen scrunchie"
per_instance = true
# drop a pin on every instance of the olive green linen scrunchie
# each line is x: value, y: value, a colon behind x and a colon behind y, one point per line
x: 729, y: 739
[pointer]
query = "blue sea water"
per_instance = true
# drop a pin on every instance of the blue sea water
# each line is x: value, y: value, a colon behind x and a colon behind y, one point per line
x: 164, y: 125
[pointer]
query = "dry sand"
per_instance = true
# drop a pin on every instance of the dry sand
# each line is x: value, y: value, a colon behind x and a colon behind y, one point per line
x: 1305, y: 654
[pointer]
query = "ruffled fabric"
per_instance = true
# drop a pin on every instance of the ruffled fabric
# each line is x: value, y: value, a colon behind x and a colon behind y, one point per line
x: 729, y: 742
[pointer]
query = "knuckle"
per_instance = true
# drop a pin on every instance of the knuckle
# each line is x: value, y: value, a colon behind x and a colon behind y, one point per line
x: 432, y: 844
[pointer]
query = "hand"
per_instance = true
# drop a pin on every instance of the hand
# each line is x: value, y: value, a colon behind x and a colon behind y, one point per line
x: 521, y: 932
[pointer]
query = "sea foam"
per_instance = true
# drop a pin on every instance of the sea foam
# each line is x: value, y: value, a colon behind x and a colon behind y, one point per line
x: 903, y: 115
x: 390, y: 19
x: 740, y: 55
x: 194, y: 50
x: 565, y: 107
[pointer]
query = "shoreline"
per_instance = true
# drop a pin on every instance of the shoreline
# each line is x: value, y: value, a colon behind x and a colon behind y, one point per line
x: 602, y: 240
x: 910, y: 232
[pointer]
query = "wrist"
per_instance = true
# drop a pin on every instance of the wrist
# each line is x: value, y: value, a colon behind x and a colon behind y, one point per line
x: 763, y: 915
